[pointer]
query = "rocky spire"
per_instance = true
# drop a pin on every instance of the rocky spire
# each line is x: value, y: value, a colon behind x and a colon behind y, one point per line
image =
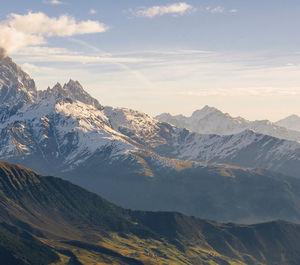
x: 71, y: 91
x: 16, y: 86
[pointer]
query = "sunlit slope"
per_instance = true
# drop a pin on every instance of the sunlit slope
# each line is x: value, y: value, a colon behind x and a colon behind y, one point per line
x: 45, y: 220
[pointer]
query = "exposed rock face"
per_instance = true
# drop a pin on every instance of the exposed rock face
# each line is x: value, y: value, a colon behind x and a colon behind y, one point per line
x: 72, y: 91
x: 16, y: 87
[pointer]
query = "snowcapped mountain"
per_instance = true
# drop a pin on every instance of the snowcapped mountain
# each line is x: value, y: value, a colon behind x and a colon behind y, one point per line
x: 72, y: 91
x: 207, y: 121
x: 246, y: 149
x: 210, y: 120
x: 291, y: 123
x: 59, y: 131
x: 130, y: 157
x: 138, y: 126
x: 16, y: 87
x: 64, y: 127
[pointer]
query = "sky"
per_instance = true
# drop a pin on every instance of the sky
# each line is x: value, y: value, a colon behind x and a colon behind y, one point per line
x: 242, y: 57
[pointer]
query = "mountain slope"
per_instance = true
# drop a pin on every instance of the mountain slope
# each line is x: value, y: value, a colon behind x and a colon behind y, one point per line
x: 291, y: 123
x: 16, y: 87
x: 64, y: 126
x: 56, y: 219
x: 76, y: 141
x: 246, y: 149
x: 210, y: 120
x: 18, y: 247
x: 222, y: 193
x: 132, y: 159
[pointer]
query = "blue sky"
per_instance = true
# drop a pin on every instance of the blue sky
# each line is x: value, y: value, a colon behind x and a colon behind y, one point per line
x: 164, y: 56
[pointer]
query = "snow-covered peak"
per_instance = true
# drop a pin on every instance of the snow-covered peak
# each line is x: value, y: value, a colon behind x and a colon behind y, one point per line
x: 16, y: 86
x: 69, y: 132
x: 137, y: 125
x: 80, y: 94
x: 291, y: 122
x: 207, y: 110
x: 210, y: 120
x: 71, y: 91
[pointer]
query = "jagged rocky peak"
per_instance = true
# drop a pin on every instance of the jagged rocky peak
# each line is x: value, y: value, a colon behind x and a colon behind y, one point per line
x: 80, y: 94
x: 72, y: 91
x: 16, y: 86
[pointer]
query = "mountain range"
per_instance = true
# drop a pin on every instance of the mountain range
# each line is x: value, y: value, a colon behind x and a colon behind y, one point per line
x: 46, y: 220
x: 210, y: 120
x: 139, y: 162
x: 291, y: 122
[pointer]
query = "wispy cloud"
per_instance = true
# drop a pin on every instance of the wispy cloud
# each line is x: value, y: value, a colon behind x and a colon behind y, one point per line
x: 32, y: 68
x: 216, y: 10
x: 164, y: 76
x: 55, y: 2
x: 86, y: 59
x: 220, y: 10
x: 38, y: 54
x: 243, y: 91
x: 34, y: 28
x: 174, y: 9
x: 93, y: 11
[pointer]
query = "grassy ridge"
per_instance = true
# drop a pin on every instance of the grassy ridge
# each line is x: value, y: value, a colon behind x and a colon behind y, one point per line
x: 46, y: 220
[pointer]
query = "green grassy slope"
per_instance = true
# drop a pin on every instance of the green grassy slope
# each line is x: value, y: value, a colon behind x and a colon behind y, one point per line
x: 45, y: 220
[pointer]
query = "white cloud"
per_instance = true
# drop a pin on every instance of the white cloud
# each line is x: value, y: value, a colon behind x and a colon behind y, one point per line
x: 32, y: 68
x: 39, y: 54
x: 55, y: 2
x: 33, y: 28
x: 175, y: 9
x: 40, y: 24
x: 220, y: 10
x: 215, y: 10
x: 243, y: 91
x: 42, y: 51
x: 93, y: 11
x: 86, y: 59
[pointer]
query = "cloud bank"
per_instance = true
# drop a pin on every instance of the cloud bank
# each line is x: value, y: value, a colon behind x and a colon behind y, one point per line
x: 18, y: 31
x: 175, y: 9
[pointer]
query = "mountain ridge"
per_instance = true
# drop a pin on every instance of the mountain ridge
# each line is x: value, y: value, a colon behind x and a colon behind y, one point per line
x: 53, y: 220
x: 115, y: 151
x: 291, y: 122
x: 210, y: 120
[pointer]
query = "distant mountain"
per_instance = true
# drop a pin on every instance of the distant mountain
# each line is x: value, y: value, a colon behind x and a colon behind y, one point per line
x: 210, y: 120
x: 246, y: 149
x: 291, y: 123
x: 223, y: 193
x: 45, y: 220
x: 122, y: 155
x: 132, y: 159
